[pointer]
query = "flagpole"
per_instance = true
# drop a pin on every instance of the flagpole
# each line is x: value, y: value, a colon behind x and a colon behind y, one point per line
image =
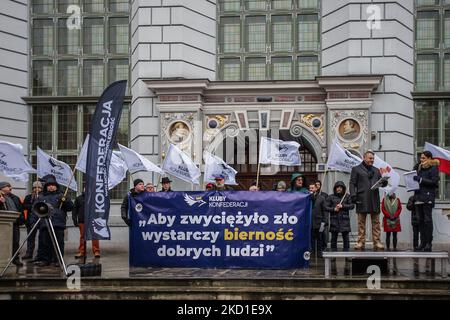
x: 323, y: 179
x: 257, y: 174
x: 342, y: 200
x: 157, y: 180
x: 63, y: 199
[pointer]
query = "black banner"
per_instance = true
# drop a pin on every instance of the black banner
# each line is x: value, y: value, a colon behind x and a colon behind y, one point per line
x: 105, y: 123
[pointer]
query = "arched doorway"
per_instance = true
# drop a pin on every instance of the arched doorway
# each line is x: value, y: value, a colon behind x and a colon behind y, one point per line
x: 241, y: 152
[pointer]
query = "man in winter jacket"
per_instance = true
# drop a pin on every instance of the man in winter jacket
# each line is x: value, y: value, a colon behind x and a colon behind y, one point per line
x: 338, y: 205
x: 11, y: 202
x: 78, y: 221
x: 367, y: 201
x: 53, y: 196
x: 139, y: 187
x: 318, y: 220
x: 428, y: 179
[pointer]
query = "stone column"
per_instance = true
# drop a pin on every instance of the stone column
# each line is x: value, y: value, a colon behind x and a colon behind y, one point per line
x: 7, y: 218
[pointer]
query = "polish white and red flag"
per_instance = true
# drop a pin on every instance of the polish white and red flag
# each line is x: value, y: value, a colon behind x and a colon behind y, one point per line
x: 441, y: 154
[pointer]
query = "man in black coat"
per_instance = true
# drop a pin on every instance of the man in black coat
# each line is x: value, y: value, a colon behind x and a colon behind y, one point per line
x: 339, y: 205
x: 139, y: 187
x: 319, y: 218
x: 53, y: 196
x: 367, y: 201
x: 428, y: 179
x: 5, y: 189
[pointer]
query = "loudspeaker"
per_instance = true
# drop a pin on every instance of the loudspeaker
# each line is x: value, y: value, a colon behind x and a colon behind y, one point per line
x: 359, y: 266
x: 42, y: 209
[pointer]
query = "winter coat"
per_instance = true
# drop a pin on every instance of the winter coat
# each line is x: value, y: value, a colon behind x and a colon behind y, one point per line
x: 59, y: 215
x: 319, y: 214
x: 339, y: 220
x: 28, y: 206
x: 124, y: 207
x: 414, y: 213
x: 294, y: 189
x: 8, y: 205
x: 362, y: 178
x: 386, y: 216
x: 429, y: 181
x: 78, y: 210
x: 13, y: 203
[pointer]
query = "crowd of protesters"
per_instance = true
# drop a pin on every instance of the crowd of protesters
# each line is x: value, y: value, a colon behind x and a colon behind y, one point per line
x: 330, y: 213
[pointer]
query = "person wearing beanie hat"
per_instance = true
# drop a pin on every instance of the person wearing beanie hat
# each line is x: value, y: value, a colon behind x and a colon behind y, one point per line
x: 139, y: 187
x: 61, y: 205
x: 31, y: 218
x: 137, y: 181
x: 11, y: 202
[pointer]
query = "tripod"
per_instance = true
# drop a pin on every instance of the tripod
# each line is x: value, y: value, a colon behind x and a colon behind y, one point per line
x: 43, y: 211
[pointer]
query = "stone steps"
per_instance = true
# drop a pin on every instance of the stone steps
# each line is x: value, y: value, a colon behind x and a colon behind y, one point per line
x: 212, y: 289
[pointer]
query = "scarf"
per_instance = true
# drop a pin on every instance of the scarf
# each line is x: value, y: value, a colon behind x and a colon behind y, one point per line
x: 391, y: 207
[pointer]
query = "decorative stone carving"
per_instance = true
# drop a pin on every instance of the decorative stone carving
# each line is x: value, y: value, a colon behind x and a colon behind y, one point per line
x: 178, y: 129
x: 316, y: 122
x: 213, y: 125
x: 351, y: 128
x: 296, y: 130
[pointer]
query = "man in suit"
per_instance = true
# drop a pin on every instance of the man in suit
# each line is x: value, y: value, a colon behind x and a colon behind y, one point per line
x: 367, y: 201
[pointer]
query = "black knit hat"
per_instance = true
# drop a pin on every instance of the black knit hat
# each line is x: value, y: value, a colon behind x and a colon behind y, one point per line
x: 137, y: 181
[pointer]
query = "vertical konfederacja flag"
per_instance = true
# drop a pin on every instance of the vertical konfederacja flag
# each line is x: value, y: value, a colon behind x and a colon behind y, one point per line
x: 105, y: 123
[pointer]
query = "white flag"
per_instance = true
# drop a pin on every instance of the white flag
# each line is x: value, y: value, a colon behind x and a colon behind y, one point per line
x: 117, y: 170
x: 215, y: 166
x: 49, y: 165
x: 180, y: 165
x: 136, y: 162
x: 82, y: 158
x: 386, y: 170
x: 117, y: 167
x: 12, y: 162
x: 273, y: 151
x: 341, y: 159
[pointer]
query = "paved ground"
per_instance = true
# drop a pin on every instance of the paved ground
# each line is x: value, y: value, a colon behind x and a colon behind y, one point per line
x: 115, y: 266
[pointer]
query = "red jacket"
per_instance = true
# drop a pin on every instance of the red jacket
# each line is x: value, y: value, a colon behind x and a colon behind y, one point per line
x: 397, y: 227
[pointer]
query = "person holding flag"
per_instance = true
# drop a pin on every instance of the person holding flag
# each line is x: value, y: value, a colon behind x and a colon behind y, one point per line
x: 428, y: 179
x: 138, y: 188
x: 339, y: 205
x: 53, y: 196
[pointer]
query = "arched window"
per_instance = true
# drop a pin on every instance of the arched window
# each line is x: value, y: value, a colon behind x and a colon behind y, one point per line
x: 241, y: 152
